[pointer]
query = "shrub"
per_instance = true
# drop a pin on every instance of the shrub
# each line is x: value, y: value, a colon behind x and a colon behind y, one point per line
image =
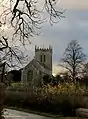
x: 2, y: 98
x: 63, y: 98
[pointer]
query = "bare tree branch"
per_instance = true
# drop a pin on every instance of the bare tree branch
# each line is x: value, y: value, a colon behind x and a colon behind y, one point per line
x: 11, y: 57
x: 25, y: 17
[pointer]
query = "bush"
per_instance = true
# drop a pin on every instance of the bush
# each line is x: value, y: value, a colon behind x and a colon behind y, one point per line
x: 64, y: 98
x: 2, y: 98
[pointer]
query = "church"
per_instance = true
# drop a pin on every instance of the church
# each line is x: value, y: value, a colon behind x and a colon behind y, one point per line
x: 33, y: 72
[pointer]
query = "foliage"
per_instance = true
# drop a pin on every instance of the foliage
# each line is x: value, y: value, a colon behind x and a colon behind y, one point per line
x: 2, y: 98
x: 85, y: 74
x: 15, y: 85
x: 46, y: 79
x: 60, y: 99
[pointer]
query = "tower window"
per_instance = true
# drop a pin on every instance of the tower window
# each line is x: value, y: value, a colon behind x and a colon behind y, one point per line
x: 40, y: 58
x: 30, y: 75
x: 44, y: 58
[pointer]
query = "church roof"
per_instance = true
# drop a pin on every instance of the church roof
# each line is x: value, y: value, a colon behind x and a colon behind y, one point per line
x: 40, y: 66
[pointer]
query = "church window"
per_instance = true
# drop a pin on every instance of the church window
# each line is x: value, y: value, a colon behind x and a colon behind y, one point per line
x: 44, y: 58
x: 30, y: 75
x: 40, y: 73
x: 40, y: 58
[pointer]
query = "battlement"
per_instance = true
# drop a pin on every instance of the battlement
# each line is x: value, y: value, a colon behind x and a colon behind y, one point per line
x: 37, y: 48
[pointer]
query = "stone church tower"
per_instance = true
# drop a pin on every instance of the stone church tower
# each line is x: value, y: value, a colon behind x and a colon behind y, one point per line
x: 33, y: 72
x: 44, y: 56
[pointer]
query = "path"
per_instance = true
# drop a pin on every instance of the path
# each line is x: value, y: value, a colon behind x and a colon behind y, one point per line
x: 13, y: 114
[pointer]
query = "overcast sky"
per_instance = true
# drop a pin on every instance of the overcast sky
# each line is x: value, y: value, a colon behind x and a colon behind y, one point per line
x: 73, y: 27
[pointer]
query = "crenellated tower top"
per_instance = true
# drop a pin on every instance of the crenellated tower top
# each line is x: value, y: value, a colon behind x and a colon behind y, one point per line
x: 37, y: 48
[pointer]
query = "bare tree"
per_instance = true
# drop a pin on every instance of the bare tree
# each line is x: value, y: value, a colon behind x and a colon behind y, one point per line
x: 26, y: 16
x: 73, y: 59
x: 10, y: 57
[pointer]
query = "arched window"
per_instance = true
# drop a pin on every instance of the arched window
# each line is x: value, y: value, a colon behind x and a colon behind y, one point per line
x: 29, y: 75
x: 40, y: 58
x: 44, y: 58
x: 40, y: 73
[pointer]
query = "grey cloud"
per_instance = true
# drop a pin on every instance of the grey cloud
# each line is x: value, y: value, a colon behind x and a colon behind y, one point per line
x: 73, y: 27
